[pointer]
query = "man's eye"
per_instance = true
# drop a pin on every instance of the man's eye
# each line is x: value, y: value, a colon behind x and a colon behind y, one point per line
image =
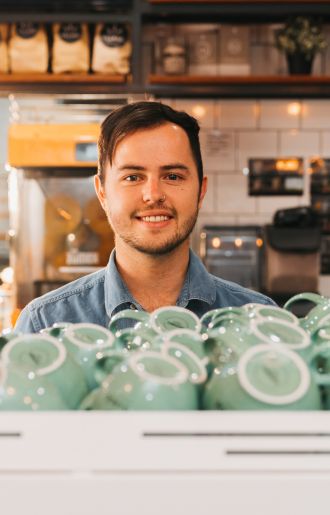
x: 173, y: 176
x: 131, y: 178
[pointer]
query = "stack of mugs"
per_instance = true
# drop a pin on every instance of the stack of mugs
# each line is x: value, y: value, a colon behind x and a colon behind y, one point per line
x: 254, y: 357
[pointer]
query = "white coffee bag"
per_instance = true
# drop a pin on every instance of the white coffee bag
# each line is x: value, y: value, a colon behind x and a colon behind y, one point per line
x: 70, y: 48
x: 112, y: 49
x: 4, y: 48
x: 28, y: 48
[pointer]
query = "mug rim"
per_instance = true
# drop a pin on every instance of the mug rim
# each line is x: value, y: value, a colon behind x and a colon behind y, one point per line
x: 174, y: 309
x: 305, y: 336
x: 290, y: 398
x: 129, y: 314
x: 62, y: 352
x: 202, y: 376
x: 180, y: 378
x: 184, y: 331
x: 89, y: 346
x: 291, y: 316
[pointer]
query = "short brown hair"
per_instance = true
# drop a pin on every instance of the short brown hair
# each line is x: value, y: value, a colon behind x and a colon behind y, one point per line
x: 141, y: 115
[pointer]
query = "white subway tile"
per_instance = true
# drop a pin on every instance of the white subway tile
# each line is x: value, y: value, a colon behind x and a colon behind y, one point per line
x: 256, y: 144
x: 271, y: 204
x: 280, y: 114
x: 237, y: 114
x: 202, y: 110
x: 208, y: 205
x: 218, y: 150
x: 257, y: 219
x: 316, y: 114
x: 325, y: 144
x: 299, y: 143
x: 232, y: 195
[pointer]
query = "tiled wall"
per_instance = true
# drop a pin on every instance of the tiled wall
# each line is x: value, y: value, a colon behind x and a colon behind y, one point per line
x: 233, y: 131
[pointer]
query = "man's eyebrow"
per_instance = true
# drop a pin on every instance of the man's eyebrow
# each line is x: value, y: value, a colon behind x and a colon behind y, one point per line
x: 137, y: 168
x: 176, y: 166
x: 131, y: 167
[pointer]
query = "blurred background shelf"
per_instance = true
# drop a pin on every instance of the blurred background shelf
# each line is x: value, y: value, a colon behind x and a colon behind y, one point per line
x: 288, y: 86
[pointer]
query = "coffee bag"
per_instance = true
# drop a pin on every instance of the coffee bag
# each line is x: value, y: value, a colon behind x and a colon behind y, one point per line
x: 70, y: 48
x: 112, y: 49
x: 3, y: 48
x: 28, y: 48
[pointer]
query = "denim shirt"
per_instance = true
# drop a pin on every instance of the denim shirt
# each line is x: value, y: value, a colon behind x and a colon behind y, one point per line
x: 96, y: 297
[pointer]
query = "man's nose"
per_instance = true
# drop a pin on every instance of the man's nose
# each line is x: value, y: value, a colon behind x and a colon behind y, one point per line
x: 152, y: 191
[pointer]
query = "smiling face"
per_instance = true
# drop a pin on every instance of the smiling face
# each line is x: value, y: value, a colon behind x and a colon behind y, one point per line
x: 151, y: 193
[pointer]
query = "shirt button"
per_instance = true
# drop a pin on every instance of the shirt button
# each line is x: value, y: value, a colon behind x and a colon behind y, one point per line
x: 132, y: 306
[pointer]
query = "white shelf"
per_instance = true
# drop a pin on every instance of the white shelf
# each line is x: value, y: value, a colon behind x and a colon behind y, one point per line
x: 164, y: 462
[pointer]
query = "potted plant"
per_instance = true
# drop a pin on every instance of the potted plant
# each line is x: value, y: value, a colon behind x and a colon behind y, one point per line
x: 301, y: 38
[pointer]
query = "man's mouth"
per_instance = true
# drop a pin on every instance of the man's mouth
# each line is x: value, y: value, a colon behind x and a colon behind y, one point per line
x: 157, y: 218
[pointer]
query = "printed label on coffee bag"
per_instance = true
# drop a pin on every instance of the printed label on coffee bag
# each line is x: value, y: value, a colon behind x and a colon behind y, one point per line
x: 27, y: 30
x: 70, y: 32
x: 114, y: 35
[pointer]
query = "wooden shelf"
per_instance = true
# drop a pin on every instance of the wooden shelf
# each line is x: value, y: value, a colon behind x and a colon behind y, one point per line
x: 252, y: 86
x: 242, y: 80
x: 52, y: 78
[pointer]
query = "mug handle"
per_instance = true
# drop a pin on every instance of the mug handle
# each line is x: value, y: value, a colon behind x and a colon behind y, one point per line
x: 106, y: 363
x: 87, y: 404
x: 320, y: 379
x: 128, y: 314
x: 311, y: 297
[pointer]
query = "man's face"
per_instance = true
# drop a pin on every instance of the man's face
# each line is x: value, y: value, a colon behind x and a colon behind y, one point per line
x: 151, y: 192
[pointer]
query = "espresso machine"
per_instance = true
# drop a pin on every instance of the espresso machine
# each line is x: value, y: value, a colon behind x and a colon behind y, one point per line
x: 58, y: 230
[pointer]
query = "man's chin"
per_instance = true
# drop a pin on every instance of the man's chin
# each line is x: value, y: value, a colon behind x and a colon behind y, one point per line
x: 161, y: 250
x: 154, y: 248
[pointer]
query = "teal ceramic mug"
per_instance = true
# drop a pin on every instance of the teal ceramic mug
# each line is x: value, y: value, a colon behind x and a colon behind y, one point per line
x: 145, y: 381
x: 319, y: 364
x: 225, y: 345
x: 56, y: 330
x: 318, y: 315
x: 196, y: 367
x: 266, y: 377
x: 135, y: 338
x: 278, y: 331
x: 169, y: 318
x: 6, y: 336
x: 265, y: 312
x: 186, y: 337
x: 84, y: 341
x: 47, y: 357
x: 128, y: 318
x: 24, y: 390
x: 216, y: 318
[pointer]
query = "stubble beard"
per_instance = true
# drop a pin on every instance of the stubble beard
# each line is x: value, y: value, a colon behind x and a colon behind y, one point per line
x: 157, y: 248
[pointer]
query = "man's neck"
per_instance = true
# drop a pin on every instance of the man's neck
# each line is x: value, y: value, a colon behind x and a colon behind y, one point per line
x: 153, y: 281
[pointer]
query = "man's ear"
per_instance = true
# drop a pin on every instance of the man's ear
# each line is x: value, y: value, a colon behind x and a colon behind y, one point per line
x: 99, y: 190
x: 202, y: 192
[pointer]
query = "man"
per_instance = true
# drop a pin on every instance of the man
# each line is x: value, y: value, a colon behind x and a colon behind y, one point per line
x: 150, y: 184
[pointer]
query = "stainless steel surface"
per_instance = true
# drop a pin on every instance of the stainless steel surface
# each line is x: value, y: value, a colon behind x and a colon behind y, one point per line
x: 234, y: 253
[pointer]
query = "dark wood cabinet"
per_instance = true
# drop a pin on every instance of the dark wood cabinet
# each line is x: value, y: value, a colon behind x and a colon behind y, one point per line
x: 141, y: 13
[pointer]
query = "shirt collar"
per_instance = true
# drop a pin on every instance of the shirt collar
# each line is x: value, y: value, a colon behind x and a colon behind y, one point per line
x: 115, y: 290
x: 198, y: 285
